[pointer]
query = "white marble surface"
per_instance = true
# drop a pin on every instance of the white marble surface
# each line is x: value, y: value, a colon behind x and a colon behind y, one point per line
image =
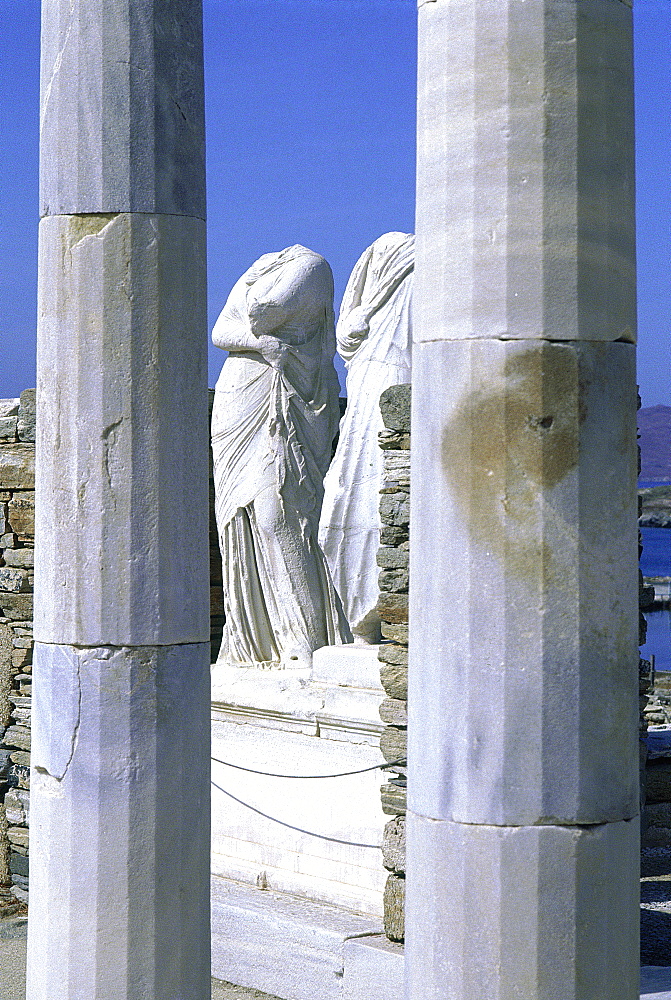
x: 374, y: 969
x: 351, y: 665
x: 542, y: 911
x: 134, y: 142
x: 524, y: 505
x: 286, y: 946
x: 523, y: 600
x: 122, y: 432
x: 119, y: 866
x: 274, y: 417
x: 281, y: 722
x: 525, y: 197
x: 374, y: 336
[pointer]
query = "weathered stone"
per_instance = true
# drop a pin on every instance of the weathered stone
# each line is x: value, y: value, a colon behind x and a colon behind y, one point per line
x: 392, y: 558
x: 9, y: 407
x: 17, y: 736
x: 393, y: 845
x: 8, y: 428
x: 393, y: 608
x: 393, y: 535
x: 104, y: 762
x: 16, y: 606
x: 18, y: 838
x: 399, y: 633
x: 17, y: 467
x: 658, y: 814
x: 393, y: 799
x: 393, y: 581
x: 394, y: 440
x: 135, y: 142
x: 395, y: 510
x: 499, y: 890
x: 21, y: 513
x: 394, y: 680
x: 26, y: 417
x: 396, y: 464
x: 658, y: 781
x: 513, y: 520
x: 21, y: 657
x: 17, y: 806
x: 395, y: 407
x: 21, y: 716
x: 394, y: 743
x: 21, y: 758
x: 121, y: 713
x: 537, y: 70
x: 22, y: 642
x: 216, y: 601
x: 523, y: 522
x: 139, y: 417
x: 8, y: 540
x: 389, y: 652
x: 394, y: 712
x: 394, y: 908
x: 18, y: 864
x: 22, y: 558
x: 12, y: 580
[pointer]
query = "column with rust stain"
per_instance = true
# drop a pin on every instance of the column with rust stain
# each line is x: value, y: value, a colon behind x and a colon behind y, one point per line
x: 119, y: 877
x: 522, y: 864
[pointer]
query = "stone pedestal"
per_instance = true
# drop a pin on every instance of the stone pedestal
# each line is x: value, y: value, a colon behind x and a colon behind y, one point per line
x: 119, y: 875
x: 522, y: 842
x: 317, y: 839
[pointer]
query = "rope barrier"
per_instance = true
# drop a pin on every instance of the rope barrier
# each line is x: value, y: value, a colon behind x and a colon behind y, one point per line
x: 298, y: 829
x: 341, y: 774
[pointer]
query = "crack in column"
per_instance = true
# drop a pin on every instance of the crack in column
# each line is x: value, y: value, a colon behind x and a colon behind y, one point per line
x: 73, y: 739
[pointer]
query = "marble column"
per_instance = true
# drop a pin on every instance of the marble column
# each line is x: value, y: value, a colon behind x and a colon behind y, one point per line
x: 119, y: 879
x: 522, y: 861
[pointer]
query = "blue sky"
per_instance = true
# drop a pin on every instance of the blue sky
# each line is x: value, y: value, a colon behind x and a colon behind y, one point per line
x: 311, y: 114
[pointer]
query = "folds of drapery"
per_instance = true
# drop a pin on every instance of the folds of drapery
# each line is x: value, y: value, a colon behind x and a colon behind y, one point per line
x: 271, y: 439
x: 374, y: 336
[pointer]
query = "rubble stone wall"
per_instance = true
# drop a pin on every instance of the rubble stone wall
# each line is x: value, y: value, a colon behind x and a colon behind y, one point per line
x: 393, y: 653
x: 17, y: 539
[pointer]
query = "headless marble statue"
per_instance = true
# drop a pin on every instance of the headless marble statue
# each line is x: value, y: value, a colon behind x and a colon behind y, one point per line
x: 274, y: 418
x: 374, y: 336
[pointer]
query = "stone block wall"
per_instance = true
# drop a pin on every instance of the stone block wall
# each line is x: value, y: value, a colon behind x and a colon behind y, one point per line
x: 17, y: 537
x: 393, y: 653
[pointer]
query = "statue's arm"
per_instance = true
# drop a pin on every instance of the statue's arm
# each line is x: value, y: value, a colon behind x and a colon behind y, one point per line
x: 231, y: 334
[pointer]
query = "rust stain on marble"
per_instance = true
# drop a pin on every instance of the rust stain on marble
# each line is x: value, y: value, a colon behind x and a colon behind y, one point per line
x: 505, y: 447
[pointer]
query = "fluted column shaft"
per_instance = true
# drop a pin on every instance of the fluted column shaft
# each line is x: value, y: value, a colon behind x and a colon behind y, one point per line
x: 523, y: 785
x: 119, y: 879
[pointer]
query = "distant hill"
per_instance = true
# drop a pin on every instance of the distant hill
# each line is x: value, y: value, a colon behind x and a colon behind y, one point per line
x: 654, y: 425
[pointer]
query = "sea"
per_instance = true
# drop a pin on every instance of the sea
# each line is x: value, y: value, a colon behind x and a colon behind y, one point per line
x: 656, y: 561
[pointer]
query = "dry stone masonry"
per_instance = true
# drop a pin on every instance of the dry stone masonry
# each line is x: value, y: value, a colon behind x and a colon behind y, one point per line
x: 17, y: 534
x: 392, y: 605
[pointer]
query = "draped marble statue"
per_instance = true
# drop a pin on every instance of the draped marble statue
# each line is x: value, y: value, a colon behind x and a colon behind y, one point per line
x: 374, y: 336
x: 274, y: 418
